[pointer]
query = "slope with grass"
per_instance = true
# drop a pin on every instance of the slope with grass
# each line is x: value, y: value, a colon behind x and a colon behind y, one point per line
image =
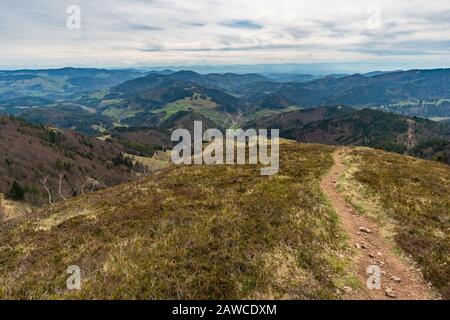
x: 226, y: 232
x: 193, y: 232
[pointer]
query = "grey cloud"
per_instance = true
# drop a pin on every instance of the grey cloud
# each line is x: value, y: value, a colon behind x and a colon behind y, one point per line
x: 190, y: 30
x: 142, y: 27
x: 245, y: 48
x: 153, y: 48
x: 242, y: 24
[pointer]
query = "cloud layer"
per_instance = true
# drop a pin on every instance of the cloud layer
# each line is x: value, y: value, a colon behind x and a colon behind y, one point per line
x: 183, y: 32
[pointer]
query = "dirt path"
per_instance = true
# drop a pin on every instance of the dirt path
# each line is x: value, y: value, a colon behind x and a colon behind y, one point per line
x: 398, y: 279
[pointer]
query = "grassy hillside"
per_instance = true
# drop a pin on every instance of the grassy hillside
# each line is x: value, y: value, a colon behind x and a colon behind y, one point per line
x: 187, y: 232
x: 225, y: 232
x: 411, y: 199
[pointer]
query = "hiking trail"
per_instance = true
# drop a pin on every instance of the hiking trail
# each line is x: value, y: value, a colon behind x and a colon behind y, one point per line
x: 399, y: 280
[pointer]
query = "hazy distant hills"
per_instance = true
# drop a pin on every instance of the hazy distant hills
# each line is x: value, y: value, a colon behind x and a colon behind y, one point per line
x: 290, y: 77
x: 361, y: 90
x: 96, y: 102
x: 58, y: 83
x: 126, y: 93
x: 388, y: 88
x: 427, y: 90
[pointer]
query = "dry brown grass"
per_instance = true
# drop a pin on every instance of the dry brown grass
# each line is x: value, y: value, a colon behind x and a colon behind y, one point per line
x: 197, y: 232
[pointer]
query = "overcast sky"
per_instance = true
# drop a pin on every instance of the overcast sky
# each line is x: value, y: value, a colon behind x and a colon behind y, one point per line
x: 133, y: 33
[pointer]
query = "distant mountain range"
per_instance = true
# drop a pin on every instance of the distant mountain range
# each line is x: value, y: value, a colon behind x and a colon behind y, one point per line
x: 58, y: 83
x: 415, y: 92
x: 97, y: 102
x: 422, y: 93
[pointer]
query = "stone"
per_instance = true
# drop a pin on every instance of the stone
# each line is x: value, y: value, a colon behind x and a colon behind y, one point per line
x: 390, y: 293
x: 379, y: 263
x: 365, y: 230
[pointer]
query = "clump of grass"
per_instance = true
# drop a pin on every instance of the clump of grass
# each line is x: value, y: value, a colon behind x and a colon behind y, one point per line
x: 412, y: 197
x: 194, y: 232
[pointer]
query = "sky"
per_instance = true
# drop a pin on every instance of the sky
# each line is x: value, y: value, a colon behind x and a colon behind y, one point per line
x: 344, y: 35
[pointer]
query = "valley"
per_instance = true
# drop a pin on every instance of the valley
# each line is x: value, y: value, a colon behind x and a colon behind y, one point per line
x: 318, y: 110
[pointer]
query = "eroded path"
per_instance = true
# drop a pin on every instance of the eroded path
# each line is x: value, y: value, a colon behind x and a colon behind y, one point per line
x: 398, y: 279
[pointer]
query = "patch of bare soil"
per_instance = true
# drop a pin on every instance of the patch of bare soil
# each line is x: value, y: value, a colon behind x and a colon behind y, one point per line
x: 10, y: 210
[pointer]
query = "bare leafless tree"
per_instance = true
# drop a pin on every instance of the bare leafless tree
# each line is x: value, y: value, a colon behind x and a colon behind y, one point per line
x: 44, y: 183
x: 60, y: 188
x: 92, y: 181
